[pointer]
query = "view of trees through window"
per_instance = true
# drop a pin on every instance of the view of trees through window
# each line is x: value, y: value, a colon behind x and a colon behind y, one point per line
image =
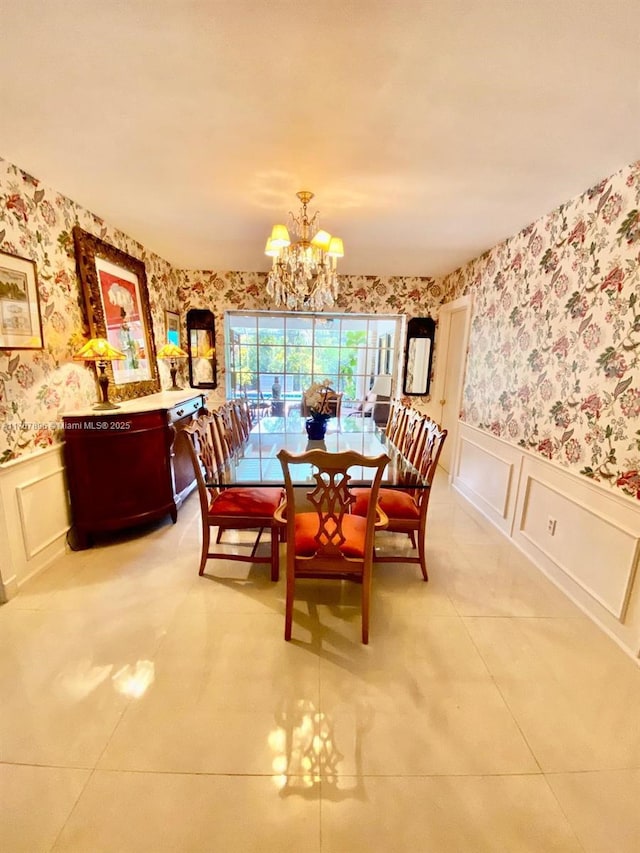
x: 294, y: 350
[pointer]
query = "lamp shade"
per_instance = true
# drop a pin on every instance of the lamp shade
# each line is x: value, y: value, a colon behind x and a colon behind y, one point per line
x: 271, y: 250
x: 336, y: 248
x: 98, y: 349
x: 382, y: 385
x: 322, y: 240
x: 279, y: 236
x: 171, y: 351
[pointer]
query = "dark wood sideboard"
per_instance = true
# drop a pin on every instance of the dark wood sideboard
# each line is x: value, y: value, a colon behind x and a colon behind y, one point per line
x: 122, y: 466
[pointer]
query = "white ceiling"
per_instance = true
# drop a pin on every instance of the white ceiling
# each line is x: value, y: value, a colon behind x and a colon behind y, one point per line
x: 429, y: 131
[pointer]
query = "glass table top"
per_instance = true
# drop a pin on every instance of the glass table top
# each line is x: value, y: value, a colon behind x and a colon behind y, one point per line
x: 257, y: 463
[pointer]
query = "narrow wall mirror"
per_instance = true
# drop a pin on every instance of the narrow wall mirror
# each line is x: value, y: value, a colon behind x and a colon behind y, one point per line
x: 418, y: 355
x: 201, y: 339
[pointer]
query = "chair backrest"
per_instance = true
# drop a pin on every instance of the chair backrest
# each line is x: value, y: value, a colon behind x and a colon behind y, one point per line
x: 222, y: 438
x: 243, y: 411
x: 397, y: 423
x: 330, y: 502
x: 333, y: 402
x: 431, y: 449
x: 198, y: 439
x: 233, y: 429
x: 414, y: 437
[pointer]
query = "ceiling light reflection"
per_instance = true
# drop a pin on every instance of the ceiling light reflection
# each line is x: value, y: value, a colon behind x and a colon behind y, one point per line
x: 133, y: 681
x: 83, y: 678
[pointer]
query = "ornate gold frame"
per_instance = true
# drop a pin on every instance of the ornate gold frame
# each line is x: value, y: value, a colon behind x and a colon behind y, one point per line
x: 89, y: 251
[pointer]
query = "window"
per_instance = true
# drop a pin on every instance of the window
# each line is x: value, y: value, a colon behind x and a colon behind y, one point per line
x: 267, y: 348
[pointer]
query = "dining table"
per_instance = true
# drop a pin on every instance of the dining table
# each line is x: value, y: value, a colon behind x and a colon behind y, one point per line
x: 256, y: 462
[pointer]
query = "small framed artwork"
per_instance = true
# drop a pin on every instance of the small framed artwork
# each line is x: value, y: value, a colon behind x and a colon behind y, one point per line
x: 20, y: 323
x: 117, y: 300
x: 172, y: 325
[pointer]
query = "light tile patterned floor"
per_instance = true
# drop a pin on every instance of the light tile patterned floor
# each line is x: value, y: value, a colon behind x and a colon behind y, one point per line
x: 145, y: 709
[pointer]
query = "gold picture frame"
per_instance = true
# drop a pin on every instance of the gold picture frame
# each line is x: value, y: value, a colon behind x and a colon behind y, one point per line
x: 117, y: 301
x: 20, y: 320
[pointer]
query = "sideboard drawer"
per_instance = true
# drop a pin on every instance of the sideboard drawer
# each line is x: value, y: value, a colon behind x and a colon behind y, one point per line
x: 186, y: 409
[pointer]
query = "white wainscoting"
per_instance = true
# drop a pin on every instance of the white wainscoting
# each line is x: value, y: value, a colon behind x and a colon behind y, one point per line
x: 34, y: 516
x: 584, y: 536
x: 487, y: 473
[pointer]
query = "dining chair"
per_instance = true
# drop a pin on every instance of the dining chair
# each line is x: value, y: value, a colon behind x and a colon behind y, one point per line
x: 324, y: 538
x: 406, y: 510
x: 413, y: 436
x: 233, y: 508
x: 227, y: 441
x: 334, y: 402
x: 396, y: 422
x: 233, y: 424
x: 242, y: 414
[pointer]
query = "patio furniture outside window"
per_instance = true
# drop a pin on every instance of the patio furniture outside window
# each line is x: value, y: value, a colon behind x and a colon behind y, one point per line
x: 290, y: 350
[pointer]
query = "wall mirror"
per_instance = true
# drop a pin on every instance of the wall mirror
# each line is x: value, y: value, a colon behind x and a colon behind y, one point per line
x: 418, y: 355
x: 201, y: 341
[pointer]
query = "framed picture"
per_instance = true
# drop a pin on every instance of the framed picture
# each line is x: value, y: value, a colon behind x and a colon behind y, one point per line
x: 117, y: 300
x: 172, y: 325
x: 20, y: 323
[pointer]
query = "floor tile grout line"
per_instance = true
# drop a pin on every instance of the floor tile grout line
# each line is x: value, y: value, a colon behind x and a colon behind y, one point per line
x: 501, y: 694
x: 227, y: 774
x: 65, y: 822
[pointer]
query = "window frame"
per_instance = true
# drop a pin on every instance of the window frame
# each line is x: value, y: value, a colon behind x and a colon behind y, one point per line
x: 380, y: 352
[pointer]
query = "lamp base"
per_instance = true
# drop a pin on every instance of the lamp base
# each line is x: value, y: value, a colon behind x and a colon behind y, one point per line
x: 103, y: 382
x: 173, y: 370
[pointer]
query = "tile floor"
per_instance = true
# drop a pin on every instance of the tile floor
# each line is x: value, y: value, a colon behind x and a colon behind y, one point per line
x: 146, y: 709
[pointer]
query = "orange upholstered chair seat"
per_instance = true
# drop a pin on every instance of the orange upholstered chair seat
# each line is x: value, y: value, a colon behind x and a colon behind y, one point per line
x: 254, y: 502
x: 395, y: 503
x: 306, y: 529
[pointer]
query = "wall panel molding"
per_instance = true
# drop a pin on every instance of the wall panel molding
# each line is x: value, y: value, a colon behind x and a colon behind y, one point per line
x: 584, y: 537
x: 34, y: 516
x: 596, y: 552
x: 487, y: 473
x: 41, y: 529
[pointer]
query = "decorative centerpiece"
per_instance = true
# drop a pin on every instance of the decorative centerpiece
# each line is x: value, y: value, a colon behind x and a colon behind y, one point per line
x: 317, y: 403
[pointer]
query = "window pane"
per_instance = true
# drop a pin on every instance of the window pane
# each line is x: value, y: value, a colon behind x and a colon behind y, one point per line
x: 326, y: 360
x: 348, y: 350
x: 270, y: 359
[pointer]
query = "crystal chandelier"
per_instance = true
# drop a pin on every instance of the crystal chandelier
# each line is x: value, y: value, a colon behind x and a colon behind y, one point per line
x: 303, y: 275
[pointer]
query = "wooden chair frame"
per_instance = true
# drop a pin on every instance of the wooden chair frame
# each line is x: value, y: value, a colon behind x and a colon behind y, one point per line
x: 431, y: 446
x: 200, y: 446
x: 330, y: 501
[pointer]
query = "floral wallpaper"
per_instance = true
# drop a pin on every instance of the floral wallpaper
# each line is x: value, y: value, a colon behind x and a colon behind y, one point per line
x: 239, y: 291
x: 37, y: 387
x: 553, y: 360
x: 554, y: 353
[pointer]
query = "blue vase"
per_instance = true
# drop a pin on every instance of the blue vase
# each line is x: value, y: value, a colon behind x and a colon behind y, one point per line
x: 315, y: 428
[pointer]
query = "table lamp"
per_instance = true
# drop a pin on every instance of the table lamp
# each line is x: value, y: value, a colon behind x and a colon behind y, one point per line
x: 100, y: 351
x: 382, y: 385
x: 172, y: 352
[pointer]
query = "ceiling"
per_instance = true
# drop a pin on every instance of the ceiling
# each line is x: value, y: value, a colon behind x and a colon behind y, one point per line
x: 429, y: 131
